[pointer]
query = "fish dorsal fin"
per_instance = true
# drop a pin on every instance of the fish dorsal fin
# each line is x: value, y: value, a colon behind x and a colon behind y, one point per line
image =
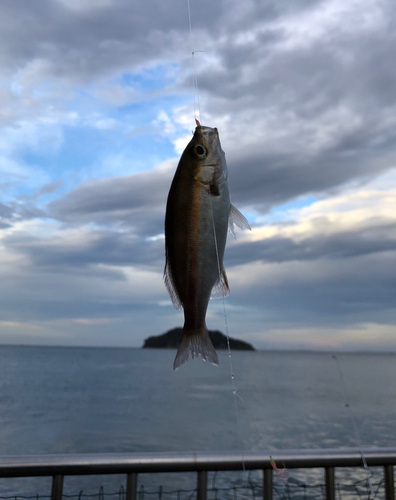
x: 170, y: 286
x: 238, y: 219
x: 221, y: 288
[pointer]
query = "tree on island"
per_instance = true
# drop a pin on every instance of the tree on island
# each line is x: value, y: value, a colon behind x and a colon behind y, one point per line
x: 171, y: 340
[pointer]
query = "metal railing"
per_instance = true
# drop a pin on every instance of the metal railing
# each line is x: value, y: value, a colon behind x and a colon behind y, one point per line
x: 133, y: 464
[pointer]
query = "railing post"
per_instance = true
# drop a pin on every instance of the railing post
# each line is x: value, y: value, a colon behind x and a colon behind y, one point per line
x: 330, y: 483
x: 389, y: 482
x: 57, y: 488
x: 267, y: 485
x: 132, y: 483
x: 202, y: 485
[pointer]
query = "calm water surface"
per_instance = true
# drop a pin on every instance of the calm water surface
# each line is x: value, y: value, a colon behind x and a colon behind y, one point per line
x: 98, y: 400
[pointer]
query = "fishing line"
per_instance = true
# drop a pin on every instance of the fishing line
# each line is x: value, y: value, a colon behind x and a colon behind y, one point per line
x: 348, y: 405
x: 194, y: 73
x: 282, y: 474
x: 234, y: 389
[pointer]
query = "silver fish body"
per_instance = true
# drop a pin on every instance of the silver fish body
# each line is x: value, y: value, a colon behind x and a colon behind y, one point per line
x: 197, y: 218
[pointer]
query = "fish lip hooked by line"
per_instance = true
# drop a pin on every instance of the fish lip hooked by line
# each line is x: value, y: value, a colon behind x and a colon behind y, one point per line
x: 208, y: 134
x: 204, y: 129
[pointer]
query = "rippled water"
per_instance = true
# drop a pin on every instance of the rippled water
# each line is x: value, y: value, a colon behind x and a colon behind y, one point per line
x: 98, y: 400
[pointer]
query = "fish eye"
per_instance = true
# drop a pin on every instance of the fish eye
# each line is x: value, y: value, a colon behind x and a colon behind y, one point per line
x: 200, y: 151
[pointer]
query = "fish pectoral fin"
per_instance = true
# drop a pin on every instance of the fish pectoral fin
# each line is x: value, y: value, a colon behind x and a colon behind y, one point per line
x: 221, y: 288
x: 171, y: 287
x: 238, y: 219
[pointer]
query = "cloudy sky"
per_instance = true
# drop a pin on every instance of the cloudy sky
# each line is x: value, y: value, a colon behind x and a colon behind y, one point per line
x: 96, y: 106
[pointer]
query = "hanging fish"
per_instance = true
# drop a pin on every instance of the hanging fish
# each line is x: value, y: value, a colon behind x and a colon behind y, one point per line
x: 198, y: 213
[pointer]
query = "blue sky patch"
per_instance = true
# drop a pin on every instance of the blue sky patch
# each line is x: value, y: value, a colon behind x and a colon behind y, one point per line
x: 150, y: 79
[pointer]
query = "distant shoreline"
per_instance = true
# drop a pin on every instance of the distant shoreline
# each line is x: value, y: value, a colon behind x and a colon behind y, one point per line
x: 171, y: 340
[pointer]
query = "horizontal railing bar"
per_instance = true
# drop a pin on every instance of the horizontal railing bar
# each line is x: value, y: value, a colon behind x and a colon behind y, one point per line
x: 124, y: 463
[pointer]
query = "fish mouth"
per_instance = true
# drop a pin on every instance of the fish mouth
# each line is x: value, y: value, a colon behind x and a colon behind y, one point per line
x: 209, y: 135
x: 206, y: 131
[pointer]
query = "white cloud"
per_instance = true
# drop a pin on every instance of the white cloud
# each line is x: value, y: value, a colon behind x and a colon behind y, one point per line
x: 333, y: 19
x: 354, y: 209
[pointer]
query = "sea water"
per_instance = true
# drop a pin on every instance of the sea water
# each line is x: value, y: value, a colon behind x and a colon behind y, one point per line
x: 115, y: 400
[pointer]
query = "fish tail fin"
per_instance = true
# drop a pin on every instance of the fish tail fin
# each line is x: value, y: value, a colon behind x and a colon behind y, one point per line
x: 197, y: 343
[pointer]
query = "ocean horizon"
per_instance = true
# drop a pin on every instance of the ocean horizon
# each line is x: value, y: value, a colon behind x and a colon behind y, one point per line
x: 326, y: 350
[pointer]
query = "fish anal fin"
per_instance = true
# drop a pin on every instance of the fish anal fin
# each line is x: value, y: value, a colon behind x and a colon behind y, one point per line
x: 198, y: 344
x: 168, y: 279
x: 221, y: 288
x: 238, y: 219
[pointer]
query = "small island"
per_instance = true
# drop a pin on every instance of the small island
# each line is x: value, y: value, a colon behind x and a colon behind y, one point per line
x: 171, y: 340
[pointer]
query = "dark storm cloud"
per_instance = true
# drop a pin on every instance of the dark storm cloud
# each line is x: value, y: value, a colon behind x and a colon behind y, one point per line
x: 97, y: 247
x: 36, y: 291
x: 67, y: 306
x: 5, y: 211
x: 84, y: 38
x: 137, y: 200
x: 32, y: 309
x: 273, y: 180
x: 21, y: 210
x: 107, y: 195
x: 271, y: 66
x: 82, y: 41
x: 354, y: 243
x: 321, y: 293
